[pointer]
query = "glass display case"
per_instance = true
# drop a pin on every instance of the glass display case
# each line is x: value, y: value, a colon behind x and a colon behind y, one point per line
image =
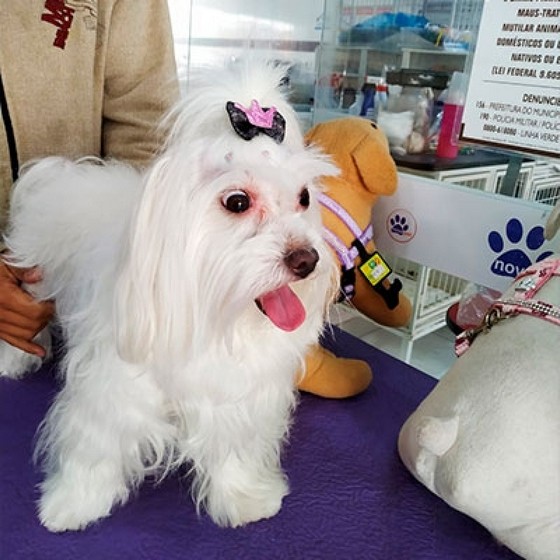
x: 362, y: 39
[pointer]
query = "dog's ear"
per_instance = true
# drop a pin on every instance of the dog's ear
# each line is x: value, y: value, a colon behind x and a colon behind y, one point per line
x: 152, y: 307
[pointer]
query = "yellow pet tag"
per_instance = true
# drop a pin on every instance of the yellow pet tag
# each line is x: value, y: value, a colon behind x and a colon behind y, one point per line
x: 375, y: 269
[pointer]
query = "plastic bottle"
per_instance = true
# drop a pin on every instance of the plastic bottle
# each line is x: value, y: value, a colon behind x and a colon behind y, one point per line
x: 369, y: 100
x: 356, y: 107
x: 448, y: 141
x: 382, y: 95
x: 381, y: 100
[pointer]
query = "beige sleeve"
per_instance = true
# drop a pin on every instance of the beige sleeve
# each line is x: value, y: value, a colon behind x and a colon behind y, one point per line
x: 140, y: 79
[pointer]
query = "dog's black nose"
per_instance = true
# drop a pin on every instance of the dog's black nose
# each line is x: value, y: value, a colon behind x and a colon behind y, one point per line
x: 302, y: 262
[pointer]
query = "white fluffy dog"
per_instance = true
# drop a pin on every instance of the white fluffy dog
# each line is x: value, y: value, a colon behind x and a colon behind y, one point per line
x: 187, y: 296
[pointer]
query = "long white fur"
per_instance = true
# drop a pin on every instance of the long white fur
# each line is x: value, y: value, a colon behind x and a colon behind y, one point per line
x: 168, y: 359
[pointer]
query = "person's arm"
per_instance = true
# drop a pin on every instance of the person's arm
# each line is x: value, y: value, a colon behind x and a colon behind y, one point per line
x: 141, y: 82
x: 140, y: 86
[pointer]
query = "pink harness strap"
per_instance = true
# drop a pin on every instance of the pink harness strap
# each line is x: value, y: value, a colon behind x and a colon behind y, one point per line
x: 528, y: 283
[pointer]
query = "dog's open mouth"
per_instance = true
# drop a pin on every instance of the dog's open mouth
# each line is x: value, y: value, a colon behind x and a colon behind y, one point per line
x: 283, y: 308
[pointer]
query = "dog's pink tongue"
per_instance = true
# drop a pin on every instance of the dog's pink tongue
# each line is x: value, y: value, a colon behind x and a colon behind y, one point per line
x: 283, y: 308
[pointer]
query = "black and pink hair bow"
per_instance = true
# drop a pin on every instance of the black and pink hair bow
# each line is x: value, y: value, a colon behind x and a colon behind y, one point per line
x: 249, y: 122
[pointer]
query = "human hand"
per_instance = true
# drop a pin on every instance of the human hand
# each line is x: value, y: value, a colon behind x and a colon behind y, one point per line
x: 21, y: 316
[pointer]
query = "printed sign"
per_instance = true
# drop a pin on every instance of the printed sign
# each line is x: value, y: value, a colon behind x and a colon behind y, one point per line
x: 482, y: 237
x: 514, y: 90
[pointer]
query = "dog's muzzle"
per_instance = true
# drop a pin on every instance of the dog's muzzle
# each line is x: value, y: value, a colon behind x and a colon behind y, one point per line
x: 302, y: 262
x: 282, y: 306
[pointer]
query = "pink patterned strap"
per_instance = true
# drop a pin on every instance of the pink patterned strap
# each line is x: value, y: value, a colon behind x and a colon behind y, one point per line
x: 527, y: 284
x: 530, y: 281
x: 462, y: 344
x: 536, y: 307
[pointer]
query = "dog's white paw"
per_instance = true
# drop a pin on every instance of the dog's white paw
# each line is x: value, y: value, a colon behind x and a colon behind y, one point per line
x: 71, y: 505
x: 15, y: 363
x: 232, y: 504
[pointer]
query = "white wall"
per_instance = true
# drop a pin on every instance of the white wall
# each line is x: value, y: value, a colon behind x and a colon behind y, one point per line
x: 211, y: 31
x: 257, y: 19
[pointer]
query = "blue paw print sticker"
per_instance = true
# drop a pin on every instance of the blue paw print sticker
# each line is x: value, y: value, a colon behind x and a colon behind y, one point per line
x: 513, y: 261
x: 399, y: 226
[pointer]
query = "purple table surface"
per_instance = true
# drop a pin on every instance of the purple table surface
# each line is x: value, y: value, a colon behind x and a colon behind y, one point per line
x: 351, y: 497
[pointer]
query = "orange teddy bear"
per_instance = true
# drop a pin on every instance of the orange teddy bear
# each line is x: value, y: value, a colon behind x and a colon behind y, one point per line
x: 360, y: 149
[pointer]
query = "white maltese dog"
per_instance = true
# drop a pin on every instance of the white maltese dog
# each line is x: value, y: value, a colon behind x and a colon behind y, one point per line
x: 188, y: 297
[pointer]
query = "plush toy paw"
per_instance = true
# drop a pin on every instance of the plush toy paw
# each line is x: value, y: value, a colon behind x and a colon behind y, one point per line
x: 372, y: 304
x: 331, y: 377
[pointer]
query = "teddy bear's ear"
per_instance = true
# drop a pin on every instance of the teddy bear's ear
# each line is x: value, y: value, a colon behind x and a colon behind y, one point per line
x: 375, y: 166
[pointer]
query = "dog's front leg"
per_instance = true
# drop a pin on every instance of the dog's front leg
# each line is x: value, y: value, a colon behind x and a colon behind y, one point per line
x: 104, y: 431
x: 235, y: 450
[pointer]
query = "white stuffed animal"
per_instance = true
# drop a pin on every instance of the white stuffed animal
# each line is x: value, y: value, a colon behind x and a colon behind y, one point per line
x: 487, y: 438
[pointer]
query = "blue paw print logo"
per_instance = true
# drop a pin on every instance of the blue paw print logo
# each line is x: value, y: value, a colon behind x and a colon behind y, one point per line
x: 513, y: 261
x: 401, y: 225
x: 398, y: 224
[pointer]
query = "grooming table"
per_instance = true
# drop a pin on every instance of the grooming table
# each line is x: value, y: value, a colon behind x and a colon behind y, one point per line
x: 351, y: 498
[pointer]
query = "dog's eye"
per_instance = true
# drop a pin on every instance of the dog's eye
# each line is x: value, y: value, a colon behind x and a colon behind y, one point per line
x: 304, y: 198
x: 236, y: 202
